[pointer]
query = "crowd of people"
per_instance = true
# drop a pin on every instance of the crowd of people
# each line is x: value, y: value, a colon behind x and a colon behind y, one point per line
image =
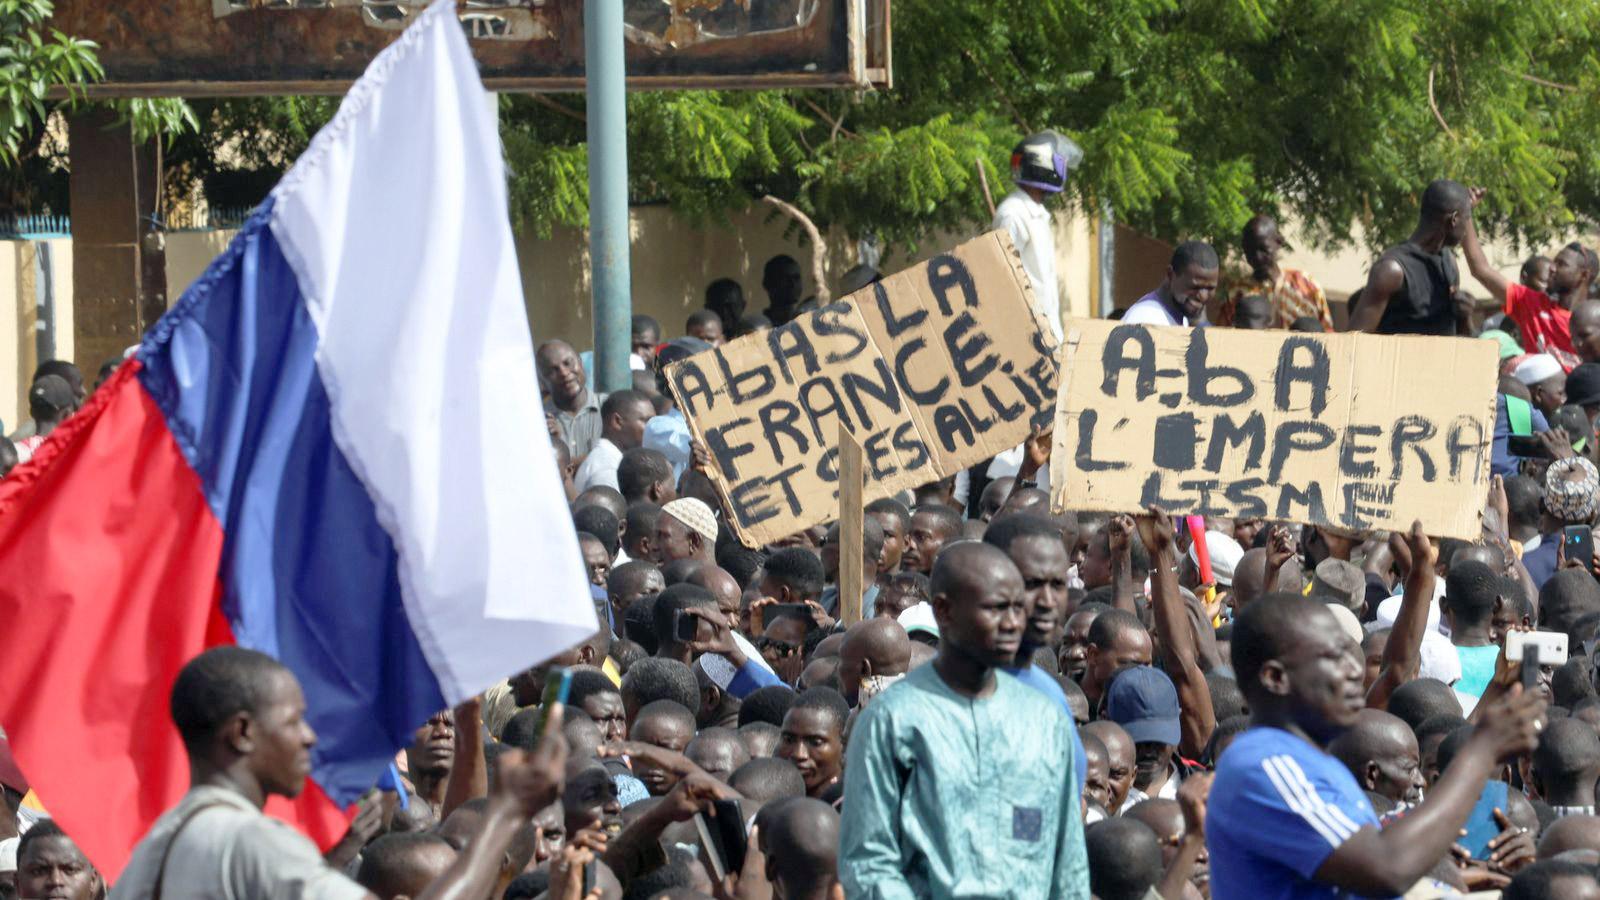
x: 1035, y: 703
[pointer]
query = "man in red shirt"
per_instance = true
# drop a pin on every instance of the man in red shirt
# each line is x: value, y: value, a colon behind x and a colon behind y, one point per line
x: 1543, y: 318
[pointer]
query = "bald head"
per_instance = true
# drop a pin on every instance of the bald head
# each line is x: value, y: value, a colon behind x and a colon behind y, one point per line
x: 1586, y: 313
x: 1164, y: 817
x: 978, y: 603
x: 719, y: 751
x: 1120, y: 758
x: 723, y: 587
x: 1250, y: 577
x: 965, y: 569
x: 874, y: 647
x: 800, y: 837
x: 1570, y: 833
x: 1027, y: 499
x: 1380, y: 750
x: 404, y: 864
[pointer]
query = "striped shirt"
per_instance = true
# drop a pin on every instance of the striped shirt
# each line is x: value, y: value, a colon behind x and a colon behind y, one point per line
x: 1278, y: 809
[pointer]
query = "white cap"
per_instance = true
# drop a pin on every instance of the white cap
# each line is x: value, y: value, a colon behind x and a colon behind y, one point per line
x: 1390, y: 608
x: 1536, y: 367
x: 1348, y: 623
x: 1225, y: 554
x: 919, y: 618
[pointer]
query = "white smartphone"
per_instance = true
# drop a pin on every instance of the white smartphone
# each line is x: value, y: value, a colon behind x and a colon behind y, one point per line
x: 1552, y: 646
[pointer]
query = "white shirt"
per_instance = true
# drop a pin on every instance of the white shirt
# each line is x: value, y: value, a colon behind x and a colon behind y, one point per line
x: 599, y: 467
x: 1169, y: 791
x: 1149, y: 310
x: 1009, y: 463
x: 1029, y: 225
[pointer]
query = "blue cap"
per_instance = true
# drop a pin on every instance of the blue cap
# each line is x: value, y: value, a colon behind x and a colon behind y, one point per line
x: 1143, y: 701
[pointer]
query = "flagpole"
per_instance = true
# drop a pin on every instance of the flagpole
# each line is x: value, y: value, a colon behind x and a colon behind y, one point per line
x: 605, y: 79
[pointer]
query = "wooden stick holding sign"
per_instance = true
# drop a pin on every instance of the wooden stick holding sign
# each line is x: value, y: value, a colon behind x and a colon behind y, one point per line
x: 852, y: 516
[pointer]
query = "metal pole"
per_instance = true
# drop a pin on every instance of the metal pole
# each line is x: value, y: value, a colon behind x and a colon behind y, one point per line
x: 1108, y: 259
x: 605, y: 77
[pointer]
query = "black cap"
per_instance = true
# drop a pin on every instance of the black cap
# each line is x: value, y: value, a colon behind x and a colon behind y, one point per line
x: 679, y: 348
x: 52, y: 392
x: 1583, y: 385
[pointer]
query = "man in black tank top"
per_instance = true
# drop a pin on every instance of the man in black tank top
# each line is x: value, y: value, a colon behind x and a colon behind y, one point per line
x: 1411, y: 289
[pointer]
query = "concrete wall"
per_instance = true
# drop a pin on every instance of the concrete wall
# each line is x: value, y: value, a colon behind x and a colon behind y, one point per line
x: 19, y: 274
x: 673, y: 261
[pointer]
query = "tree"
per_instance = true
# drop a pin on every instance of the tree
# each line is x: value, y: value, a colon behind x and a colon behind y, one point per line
x: 36, y: 63
x: 32, y: 61
x: 1193, y: 115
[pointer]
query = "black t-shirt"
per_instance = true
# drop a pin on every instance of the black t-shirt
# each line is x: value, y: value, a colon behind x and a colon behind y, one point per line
x: 1424, y: 304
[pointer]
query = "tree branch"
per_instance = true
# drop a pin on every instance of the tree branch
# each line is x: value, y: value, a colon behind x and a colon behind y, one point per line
x: 837, y: 125
x: 1539, y: 81
x: 983, y: 179
x: 1004, y: 98
x: 548, y: 103
x: 1432, y: 104
x: 819, y: 250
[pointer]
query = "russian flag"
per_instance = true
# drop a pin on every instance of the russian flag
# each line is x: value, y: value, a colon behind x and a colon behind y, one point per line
x: 332, y: 449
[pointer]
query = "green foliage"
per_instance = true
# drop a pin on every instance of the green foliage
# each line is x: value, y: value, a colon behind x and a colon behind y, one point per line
x: 1193, y: 115
x: 35, y: 58
x: 36, y: 62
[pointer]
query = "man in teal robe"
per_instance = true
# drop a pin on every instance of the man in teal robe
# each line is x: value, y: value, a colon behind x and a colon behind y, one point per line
x: 959, y: 780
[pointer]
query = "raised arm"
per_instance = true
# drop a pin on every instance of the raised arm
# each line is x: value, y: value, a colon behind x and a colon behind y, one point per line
x: 1178, y: 653
x: 1389, y: 863
x: 1119, y: 541
x: 469, y: 777
x: 1403, y: 654
x: 527, y: 784
x: 1477, y: 262
x: 1383, y: 281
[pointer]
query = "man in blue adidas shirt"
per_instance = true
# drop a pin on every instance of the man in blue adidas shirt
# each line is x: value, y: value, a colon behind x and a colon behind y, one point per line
x: 1287, y: 820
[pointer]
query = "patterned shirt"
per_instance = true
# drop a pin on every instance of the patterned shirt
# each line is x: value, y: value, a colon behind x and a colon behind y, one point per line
x: 1294, y: 296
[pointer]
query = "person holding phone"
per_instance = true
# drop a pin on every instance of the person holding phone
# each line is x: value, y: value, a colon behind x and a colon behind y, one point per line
x: 1571, y: 499
x: 1286, y: 819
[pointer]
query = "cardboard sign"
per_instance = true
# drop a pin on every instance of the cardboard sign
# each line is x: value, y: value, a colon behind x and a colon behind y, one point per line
x: 1350, y: 430
x: 932, y: 369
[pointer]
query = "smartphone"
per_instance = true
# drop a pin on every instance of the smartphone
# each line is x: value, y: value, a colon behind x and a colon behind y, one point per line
x: 591, y: 873
x: 1578, y: 543
x: 730, y: 824
x: 557, y: 683
x: 723, y: 836
x: 1530, y: 668
x: 684, y: 626
x: 1550, y: 646
x: 1526, y: 445
x: 713, y: 849
x: 1481, y: 827
x: 778, y: 610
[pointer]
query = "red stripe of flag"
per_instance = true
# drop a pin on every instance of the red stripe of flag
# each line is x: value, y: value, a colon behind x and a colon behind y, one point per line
x: 108, y: 584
